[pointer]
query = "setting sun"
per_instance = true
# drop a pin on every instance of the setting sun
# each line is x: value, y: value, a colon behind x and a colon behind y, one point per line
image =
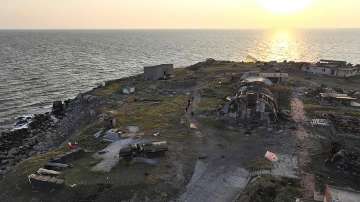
x: 284, y: 6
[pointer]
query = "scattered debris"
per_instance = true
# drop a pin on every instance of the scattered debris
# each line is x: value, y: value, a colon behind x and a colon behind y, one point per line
x: 355, y: 104
x: 319, y: 122
x: 133, y: 129
x: 143, y: 150
x: 111, y: 136
x: 56, y: 166
x: 23, y: 122
x: 336, y: 99
x: 98, y: 134
x: 193, y: 126
x: 46, y: 182
x: 69, y: 156
x: 128, y: 90
x: 72, y: 145
x: 47, y: 172
x: 271, y: 156
x: 110, y: 158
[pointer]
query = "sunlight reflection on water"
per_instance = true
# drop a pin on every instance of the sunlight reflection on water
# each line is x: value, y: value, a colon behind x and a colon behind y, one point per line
x: 38, y: 67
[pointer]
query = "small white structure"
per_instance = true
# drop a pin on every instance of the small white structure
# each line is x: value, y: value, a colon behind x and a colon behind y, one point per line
x: 128, y: 90
x: 158, y: 72
x: 319, y: 122
x: 332, y: 68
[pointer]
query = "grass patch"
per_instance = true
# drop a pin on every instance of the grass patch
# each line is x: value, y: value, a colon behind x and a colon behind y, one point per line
x: 149, y: 117
x: 81, y: 172
x: 86, y: 138
x: 283, y: 95
x: 109, y: 89
x: 209, y: 104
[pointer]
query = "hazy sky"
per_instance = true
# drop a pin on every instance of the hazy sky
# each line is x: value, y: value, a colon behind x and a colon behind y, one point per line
x: 115, y: 14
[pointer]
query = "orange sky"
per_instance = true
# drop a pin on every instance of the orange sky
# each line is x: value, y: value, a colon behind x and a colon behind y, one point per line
x: 122, y: 14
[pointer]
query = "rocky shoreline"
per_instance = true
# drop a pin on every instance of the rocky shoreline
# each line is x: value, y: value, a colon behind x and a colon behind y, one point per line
x: 46, y: 131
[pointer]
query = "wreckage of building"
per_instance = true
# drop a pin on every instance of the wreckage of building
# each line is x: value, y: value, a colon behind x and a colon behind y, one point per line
x: 253, y: 102
x: 336, y: 99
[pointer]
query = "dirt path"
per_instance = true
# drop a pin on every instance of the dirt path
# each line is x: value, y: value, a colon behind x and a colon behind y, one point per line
x: 216, y: 178
x: 214, y: 182
x: 303, y: 139
x: 195, y: 100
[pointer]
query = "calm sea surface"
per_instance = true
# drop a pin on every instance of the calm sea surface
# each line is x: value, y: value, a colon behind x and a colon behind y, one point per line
x: 38, y: 67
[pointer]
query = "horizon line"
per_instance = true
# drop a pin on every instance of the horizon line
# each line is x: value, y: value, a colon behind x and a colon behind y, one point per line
x: 115, y: 29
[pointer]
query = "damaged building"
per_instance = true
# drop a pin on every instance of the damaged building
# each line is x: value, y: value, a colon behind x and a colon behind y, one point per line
x: 332, y: 68
x: 337, y: 99
x: 158, y: 72
x: 253, y: 102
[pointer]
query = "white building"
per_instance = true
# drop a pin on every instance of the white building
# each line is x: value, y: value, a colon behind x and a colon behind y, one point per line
x: 332, y: 68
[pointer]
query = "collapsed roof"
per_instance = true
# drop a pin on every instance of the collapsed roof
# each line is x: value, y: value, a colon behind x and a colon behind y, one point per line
x: 253, y: 101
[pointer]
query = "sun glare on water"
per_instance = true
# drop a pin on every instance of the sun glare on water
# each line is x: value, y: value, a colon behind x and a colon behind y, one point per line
x: 284, y: 6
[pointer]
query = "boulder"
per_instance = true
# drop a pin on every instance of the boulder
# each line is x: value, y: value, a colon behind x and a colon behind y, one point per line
x: 4, y: 162
x: 13, y: 151
x: 58, y: 108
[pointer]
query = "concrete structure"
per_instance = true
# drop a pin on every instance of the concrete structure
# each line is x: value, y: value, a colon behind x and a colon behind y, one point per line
x: 253, y: 102
x: 336, y: 194
x: 332, y: 68
x: 275, y: 77
x: 44, y: 182
x: 69, y: 156
x: 158, y: 72
x: 336, y: 99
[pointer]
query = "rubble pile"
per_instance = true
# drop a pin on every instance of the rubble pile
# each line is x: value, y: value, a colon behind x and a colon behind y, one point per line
x: 49, y: 176
x: 345, y: 124
x: 333, y: 96
x: 147, y: 150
